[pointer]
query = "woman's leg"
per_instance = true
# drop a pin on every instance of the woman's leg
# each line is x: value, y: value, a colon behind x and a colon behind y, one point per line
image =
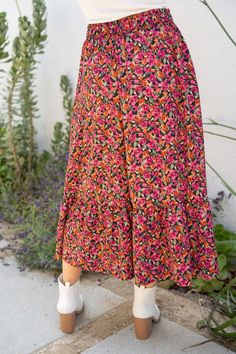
x: 70, y: 273
x: 151, y: 285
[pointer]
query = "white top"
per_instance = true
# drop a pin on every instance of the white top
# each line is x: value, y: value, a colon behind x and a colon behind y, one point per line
x: 96, y: 11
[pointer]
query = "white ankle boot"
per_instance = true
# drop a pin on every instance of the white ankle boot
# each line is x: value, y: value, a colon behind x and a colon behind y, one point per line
x: 69, y: 304
x: 144, y: 310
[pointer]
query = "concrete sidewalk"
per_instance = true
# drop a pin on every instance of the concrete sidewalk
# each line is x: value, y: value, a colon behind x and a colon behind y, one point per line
x: 167, y: 338
x: 29, y: 321
x: 28, y: 308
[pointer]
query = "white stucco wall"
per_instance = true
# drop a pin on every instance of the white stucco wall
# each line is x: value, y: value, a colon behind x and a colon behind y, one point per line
x: 213, y: 54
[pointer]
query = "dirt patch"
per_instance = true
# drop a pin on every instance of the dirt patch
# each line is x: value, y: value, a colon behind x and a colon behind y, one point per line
x: 9, y: 242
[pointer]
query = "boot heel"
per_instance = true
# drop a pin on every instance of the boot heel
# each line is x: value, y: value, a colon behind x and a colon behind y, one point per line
x: 143, y: 327
x: 144, y: 310
x: 67, y: 322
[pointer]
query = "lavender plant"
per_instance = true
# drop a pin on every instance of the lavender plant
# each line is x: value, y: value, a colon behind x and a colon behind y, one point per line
x: 37, y: 229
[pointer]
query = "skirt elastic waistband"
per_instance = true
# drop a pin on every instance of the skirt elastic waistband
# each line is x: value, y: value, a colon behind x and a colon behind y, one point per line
x: 146, y: 19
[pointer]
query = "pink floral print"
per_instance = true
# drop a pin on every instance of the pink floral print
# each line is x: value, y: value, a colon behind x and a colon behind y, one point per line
x: 135, y: 200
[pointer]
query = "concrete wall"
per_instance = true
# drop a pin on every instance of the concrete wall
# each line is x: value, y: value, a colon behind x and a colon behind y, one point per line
x: 213, y: 54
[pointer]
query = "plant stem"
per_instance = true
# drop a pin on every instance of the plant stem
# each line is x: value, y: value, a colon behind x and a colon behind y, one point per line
x: 223, y: 136
x: 222, y: 125
x: 224, y: 182
x: 12, y: 142
x: 18, y: 7
x: 204, y: 2
x: 210, y: 317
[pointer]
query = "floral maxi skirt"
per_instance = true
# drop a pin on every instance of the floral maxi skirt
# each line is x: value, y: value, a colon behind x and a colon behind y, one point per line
x: 135, y: 199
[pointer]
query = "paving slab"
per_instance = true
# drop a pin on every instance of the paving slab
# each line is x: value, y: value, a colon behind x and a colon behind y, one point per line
x: 167, y: 338
x: 28, y: 316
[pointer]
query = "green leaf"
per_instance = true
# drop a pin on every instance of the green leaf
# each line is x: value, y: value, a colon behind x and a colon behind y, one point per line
x: 222, y: 260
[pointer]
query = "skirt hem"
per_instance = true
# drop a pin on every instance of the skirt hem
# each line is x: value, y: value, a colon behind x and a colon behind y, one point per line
x: 125, y: 276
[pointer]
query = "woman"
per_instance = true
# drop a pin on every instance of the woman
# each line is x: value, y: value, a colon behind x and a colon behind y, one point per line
x: 135, y: 202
